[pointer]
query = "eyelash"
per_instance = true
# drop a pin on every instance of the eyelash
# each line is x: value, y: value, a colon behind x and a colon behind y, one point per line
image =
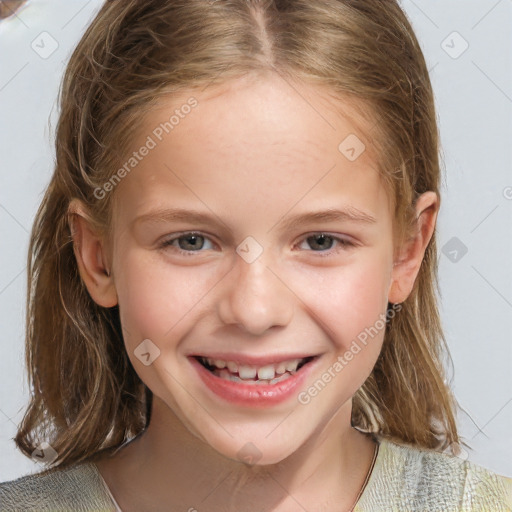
x: 343, y: 242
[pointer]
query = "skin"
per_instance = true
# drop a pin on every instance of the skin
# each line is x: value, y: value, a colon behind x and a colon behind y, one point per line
x: 251, y: 154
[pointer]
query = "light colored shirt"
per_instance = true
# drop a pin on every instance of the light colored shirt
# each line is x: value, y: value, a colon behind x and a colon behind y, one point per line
x: 403, y: 479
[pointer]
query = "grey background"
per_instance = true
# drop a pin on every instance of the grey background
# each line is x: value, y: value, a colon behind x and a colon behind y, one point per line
x: 474, y: 99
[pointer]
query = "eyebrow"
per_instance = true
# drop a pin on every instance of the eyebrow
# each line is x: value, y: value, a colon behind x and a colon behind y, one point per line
x: 349, y: 214
x: 177, y: 214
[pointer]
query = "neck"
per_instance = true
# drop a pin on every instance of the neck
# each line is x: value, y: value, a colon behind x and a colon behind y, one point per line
x: 174, y: 466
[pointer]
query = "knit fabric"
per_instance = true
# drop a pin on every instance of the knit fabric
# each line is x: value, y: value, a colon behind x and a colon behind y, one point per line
x: 404, y: 479
x: 78, y: 488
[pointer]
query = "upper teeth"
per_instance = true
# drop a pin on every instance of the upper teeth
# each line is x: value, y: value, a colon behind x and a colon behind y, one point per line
x: 266, y: 372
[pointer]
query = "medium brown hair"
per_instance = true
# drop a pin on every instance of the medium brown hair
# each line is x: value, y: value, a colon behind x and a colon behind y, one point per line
x: 86, y: 397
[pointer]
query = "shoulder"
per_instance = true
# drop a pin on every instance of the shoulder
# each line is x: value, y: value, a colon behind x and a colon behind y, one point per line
x: 76, y: 488
x: 416, y: 479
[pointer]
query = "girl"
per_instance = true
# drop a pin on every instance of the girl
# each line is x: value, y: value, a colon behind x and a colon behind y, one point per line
x: 232, y: 301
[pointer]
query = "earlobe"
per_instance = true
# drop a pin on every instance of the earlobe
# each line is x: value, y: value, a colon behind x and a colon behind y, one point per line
x: 407, y: 265
x: 91, y: 256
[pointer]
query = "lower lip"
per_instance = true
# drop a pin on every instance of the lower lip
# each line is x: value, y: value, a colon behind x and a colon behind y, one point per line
x: 253, y: 395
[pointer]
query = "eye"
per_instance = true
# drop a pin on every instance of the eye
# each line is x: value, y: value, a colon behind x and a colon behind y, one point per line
x: 322, y: 242
x: 193, y: 242
x: 187, y: 243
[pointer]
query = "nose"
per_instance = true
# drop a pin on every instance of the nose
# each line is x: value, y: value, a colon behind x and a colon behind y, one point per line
x: 255, y: 297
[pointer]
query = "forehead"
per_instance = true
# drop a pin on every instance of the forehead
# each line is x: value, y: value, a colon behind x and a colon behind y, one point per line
x: 268, y: 109
x: 258, y: 139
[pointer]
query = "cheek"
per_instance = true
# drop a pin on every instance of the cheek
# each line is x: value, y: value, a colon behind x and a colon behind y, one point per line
x: 160, y: 302
x: 157, y: 299
x: 346, y: 300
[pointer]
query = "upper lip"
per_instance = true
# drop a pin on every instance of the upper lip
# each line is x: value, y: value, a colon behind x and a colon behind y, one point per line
x: 253, y: 360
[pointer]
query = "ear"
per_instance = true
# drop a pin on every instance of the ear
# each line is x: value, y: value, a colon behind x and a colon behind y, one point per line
x: 408, y: 262
x: 91, y: 256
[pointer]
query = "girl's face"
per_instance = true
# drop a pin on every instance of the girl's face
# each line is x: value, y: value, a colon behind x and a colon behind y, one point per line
x: 291, y: 257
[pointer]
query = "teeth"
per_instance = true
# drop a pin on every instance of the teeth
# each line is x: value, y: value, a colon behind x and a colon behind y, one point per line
x: 279, y: 379
x: 225, y: 374
x: 247, y: 372
x: 232, y: 367
x: 267, y: 372
x: 281, y: 368
x: 291, y: 366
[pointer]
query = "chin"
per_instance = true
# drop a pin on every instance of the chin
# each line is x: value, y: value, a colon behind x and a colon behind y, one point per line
x: 260, y: 451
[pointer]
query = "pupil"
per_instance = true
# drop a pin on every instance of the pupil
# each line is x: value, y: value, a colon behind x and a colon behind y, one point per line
x: 321, y: 241
x: 192, y: 240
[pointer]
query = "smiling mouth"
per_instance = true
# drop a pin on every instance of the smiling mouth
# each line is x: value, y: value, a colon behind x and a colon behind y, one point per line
x: 250, y: 374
